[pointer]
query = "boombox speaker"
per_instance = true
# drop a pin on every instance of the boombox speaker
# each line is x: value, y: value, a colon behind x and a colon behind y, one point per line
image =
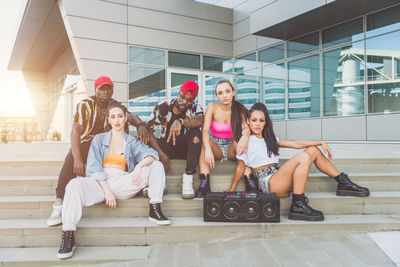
x: 241, y: 207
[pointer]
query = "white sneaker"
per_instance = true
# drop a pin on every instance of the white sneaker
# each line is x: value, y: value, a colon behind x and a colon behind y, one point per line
x: 187, y: 186
x: 55, y: 217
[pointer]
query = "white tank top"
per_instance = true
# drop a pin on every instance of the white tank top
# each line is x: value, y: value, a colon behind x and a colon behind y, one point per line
x: 257, y: 153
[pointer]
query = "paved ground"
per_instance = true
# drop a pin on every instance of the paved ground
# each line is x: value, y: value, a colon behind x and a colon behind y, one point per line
x: 322, y: 250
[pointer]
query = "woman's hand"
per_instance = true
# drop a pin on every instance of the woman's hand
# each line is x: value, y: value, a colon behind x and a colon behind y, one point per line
x: 110, y: 199
x: 242, y: 145
x: 137, y: 176
x: 327, y: 150
x: 209, y: 157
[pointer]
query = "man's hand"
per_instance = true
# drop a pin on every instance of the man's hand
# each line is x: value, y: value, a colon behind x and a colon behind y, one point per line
x: 79, y: 168
x: 174, y: 131
x: 137, y: 176
x: 143, y: 134
x: 110, y: 199
x: 165, y: 161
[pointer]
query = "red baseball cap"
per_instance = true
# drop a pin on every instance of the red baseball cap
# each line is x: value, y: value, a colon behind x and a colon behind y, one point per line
x: 102, y: 80
x: 190, y: 89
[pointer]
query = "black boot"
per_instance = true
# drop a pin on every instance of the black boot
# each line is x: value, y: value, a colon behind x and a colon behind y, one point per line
x: 301, y: 211
x: 346, y: 187
x: 204, y: 186
x: 251, y: 183
x: 67, y: 245
x: 156, y: 216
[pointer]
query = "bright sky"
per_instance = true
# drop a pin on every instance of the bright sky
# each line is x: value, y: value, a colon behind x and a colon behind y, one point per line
x: 14, y: 97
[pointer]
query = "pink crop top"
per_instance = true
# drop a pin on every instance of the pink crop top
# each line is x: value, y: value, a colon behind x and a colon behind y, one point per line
x: 221, y: 130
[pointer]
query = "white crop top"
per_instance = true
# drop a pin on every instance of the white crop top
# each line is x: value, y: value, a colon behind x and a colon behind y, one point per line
x: 257, y: 153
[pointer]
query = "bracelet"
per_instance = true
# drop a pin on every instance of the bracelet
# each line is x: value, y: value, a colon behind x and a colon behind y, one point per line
x: 181, y: 120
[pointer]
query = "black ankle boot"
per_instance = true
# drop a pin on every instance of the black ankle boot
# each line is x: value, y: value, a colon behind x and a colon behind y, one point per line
x: 251, y: 183
x: 204, y: 186
x: 300, y: 210
x: 156, y: 216
x: 67, y: 245
x: 346, y: 187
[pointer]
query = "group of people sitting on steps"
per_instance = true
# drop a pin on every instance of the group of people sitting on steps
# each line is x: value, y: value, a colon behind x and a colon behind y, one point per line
x: 105, y: 163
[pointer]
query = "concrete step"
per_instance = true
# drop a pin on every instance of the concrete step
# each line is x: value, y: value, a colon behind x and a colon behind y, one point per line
x: 35, y: 207
x: 140, y: 232
x: 45, y: 185
x: 46, y: 256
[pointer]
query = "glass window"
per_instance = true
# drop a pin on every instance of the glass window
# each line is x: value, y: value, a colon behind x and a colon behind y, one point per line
x: 146, y: 90
x: 304, y: 95
x: 384, y: 97
x: 272, y: 90
x: 246, y: 88
x: 146, y: 55
x: 344, y: 81
x: 272, y: 54
x: 245, y: 63
x: 303, y: 45
x: 217, y: 64
x: 346, y: 32
x: 385, y: 21
x: 383, y: 57
x: 182, y: 60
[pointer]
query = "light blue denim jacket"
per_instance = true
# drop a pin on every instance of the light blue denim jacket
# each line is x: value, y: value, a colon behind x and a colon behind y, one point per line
x: 135, y: 152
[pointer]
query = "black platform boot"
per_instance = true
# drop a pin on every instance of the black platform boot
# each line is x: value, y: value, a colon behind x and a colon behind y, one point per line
x: 67, y: 245
x: 156, y: 216
x: 346, y: 187
x: 204, y: 186
x: 251, y: 183
x: 300, y: 210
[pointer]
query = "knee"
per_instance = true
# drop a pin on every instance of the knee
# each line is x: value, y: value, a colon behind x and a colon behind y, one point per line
x: 196, y: 140
x: 304, y: 157
x: 157, y: 165
x: 73, y: 185
x: 313, y: 151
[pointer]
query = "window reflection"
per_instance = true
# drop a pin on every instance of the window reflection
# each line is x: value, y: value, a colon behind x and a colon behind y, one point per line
x: 272, y: 93
x: 246, y: 88
x: 304, y: 96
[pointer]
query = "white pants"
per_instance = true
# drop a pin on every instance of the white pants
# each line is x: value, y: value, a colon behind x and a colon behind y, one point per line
x: 84, y: 192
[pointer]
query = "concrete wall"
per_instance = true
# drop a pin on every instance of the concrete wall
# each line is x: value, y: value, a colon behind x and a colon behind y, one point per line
x: 100, y: 39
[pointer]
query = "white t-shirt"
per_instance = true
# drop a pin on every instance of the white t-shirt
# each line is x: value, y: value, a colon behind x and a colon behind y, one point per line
x: 257, y: 153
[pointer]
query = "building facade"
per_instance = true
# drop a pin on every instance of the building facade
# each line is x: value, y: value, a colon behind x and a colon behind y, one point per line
x: 326, y: 70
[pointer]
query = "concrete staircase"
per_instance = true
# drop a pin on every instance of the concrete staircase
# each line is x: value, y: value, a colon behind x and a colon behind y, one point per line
x: 28, y: 177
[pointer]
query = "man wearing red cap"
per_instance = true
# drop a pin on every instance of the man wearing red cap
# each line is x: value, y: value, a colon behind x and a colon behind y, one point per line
x: 90, y: 119
x: 180, y: 121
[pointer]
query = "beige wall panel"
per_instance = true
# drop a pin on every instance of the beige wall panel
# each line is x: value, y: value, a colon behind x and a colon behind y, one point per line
x: 187, y: 8
x: 63, y: 65
x: 118, y: 72
x: 266, y: 41
x: 96, y: 9
x: 244, y: 45
x: 241, y: 29
x: 245, y: 8
x: 177, y: 23
x: 344, y: 128
x: 383, y: 127
x: 100, y: 50
x: 280, y: 129
x: 306, y: 129
x: 34, y: 76
x: 176, y: 41
x: 120, y: 90
x: 94, y: 29
x: 280, y: 11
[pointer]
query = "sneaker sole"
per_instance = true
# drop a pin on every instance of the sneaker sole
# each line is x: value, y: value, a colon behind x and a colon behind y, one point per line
x: 344, y: 193
x: 296, y: 216
x: 188, y: 196
x: 66, y: 255
x: 159, y: 222
x: 54, y: 222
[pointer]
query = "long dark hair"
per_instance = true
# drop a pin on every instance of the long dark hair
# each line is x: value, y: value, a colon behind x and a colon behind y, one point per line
x: 238, y: 111
x: 268, y: 131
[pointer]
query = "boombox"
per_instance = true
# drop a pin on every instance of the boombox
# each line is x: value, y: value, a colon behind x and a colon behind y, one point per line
x: 241, y: 207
